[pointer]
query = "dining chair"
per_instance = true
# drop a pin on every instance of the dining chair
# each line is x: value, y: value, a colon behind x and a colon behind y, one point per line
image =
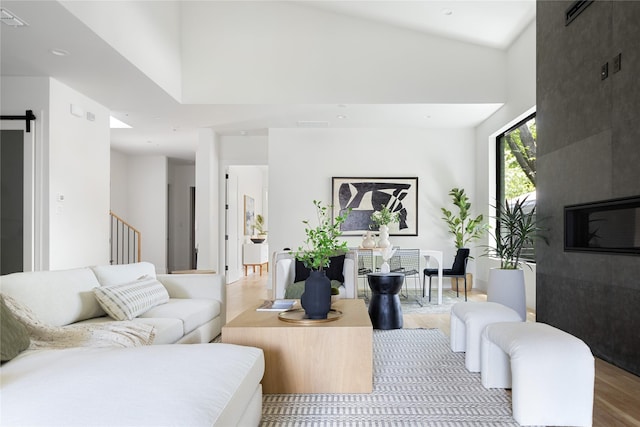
x: 407, y: 262
x: 365, y: 266
x: 459, y: 269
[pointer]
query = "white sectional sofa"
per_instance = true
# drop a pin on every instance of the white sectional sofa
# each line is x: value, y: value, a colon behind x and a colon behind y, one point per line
x: 200, y: 384
x: 195, y: 312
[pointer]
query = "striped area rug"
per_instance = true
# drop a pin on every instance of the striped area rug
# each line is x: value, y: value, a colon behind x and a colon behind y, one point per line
x: 417, y: 381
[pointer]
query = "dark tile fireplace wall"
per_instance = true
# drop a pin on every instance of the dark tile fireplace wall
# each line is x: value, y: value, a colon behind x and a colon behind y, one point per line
x: 588, y: 150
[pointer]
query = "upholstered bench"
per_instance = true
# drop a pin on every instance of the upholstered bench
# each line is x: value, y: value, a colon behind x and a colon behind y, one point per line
x: 550, y: 372
x: 468, y: 319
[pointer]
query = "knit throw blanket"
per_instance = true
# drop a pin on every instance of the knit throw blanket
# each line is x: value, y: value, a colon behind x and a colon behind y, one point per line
x: 107, y: 334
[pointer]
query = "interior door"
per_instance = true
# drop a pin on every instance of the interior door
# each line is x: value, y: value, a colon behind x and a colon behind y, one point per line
x: 17, y: 179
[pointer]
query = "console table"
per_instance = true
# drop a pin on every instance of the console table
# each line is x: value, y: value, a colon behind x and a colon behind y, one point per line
x: 255, y: 255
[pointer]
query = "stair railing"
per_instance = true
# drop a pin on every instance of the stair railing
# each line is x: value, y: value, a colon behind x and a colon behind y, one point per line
x: 124, y: 240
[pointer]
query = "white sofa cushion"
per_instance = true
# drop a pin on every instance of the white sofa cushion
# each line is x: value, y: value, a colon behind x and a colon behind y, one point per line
x: 128, y: 300
x: 172, y: 385
x: 58, y: 297
x: 192, y: 312
x: 116, y: 274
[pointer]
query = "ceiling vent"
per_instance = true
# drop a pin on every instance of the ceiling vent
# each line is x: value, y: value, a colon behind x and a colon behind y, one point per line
x: 10, y: 19
x: 312, y: 124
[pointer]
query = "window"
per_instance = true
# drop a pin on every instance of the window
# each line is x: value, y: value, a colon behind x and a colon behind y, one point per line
x: 516, y: 164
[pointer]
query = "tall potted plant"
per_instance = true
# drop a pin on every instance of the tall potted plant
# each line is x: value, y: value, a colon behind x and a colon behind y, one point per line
x: 463, y: 226
x: 517, y: 227
x: 320, y: 245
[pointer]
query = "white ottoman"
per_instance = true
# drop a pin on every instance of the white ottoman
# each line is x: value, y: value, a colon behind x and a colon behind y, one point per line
x: 550, y: 372
x: 468, y: 319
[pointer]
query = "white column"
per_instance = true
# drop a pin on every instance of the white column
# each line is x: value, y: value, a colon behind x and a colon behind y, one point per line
x: 208, y: 218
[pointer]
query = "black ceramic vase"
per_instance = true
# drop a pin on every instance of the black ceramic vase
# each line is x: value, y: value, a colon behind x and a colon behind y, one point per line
x: 316, y: 299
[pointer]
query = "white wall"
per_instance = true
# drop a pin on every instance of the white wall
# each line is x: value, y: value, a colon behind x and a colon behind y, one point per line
x: 244, y: 150
x: 181, y: 179
x: 119, y: 184
x: 147, y: 34
x: 521, y: 69
x: 139, y: 188
x: 209, y: 196
x: 288, y: 52
x: 74, y: 170
x: 79, y: 172
x: 302, y: 163
x: 147, y: 206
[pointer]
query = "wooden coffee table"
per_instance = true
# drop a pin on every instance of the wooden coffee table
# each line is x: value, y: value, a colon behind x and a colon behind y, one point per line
x: 323, y: 357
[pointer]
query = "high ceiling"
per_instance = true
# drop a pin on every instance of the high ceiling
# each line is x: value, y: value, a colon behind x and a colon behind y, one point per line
x: 164, y: 125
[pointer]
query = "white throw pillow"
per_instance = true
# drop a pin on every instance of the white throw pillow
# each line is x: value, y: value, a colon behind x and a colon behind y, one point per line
x: 128, y: 300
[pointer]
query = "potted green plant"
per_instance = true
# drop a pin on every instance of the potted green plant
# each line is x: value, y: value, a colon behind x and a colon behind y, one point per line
x: 259, y: 226
x: 463, y: 226
x: 259, y: 233
x: 381, y: 220
x: 321, y: 244
x: 517, y: 227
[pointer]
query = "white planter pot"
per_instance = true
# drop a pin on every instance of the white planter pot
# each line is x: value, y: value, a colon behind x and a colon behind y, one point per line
x: 507, y: 288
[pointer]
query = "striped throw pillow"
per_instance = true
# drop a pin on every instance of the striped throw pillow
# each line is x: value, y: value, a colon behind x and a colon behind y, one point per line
x: 128, y: 300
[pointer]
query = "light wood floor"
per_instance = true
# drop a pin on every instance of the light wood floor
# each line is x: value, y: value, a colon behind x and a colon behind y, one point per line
x: 617, y: 392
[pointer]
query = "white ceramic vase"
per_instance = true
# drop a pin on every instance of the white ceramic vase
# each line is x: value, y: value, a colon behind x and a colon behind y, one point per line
x: 384, y: 237
x: 384, y: 267
x: 507, y: 288
x: 368, y: 241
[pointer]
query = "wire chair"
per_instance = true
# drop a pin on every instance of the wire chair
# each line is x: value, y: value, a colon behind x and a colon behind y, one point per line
x: 365, y: 266
x: 407, y: 262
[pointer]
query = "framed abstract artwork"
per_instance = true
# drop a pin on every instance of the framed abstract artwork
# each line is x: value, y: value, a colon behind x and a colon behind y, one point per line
x: 367, y: 195
x: 249, y: 215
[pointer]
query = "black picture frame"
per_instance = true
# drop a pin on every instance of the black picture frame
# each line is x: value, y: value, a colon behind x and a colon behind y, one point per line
x: 367, y: 195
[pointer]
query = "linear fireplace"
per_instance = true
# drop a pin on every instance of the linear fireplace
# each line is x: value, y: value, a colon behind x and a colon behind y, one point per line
x: 609, y: 226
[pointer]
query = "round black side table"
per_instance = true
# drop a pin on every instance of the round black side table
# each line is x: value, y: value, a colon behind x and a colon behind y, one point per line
x: 384, y: 307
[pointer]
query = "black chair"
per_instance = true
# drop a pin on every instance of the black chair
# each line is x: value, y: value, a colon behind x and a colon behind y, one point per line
x: 459, y: 269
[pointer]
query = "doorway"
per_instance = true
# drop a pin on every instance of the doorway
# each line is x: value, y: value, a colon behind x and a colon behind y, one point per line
x: 251, y: 181
x: 18, y: 207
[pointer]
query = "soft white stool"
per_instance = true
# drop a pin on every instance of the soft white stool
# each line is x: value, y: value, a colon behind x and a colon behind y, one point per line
x: 468, y: 319
x: 551, y: 373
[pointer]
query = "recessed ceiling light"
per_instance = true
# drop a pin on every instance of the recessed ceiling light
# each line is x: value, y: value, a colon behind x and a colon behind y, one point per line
x: 243, y: 132
x: 341, y: 116
x: 117, y: 124
x: 447, y: 12
x: 60, y: 52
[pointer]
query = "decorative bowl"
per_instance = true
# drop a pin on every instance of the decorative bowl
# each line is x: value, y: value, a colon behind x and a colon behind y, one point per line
x: 257, y: 240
